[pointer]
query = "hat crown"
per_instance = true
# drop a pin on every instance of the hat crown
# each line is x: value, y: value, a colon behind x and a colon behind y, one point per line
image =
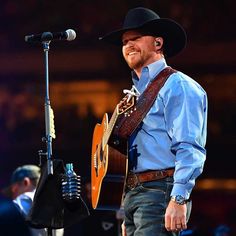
x: 150, y: 23
x: 139, y: 16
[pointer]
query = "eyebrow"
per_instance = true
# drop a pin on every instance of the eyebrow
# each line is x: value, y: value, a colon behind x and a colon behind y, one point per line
x: 132, y: 38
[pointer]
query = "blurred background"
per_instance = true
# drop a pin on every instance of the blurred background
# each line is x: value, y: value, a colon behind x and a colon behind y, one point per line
x: 87, y: 78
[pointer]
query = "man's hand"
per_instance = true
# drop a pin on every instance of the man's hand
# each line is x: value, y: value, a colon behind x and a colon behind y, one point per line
x: 175, y: 217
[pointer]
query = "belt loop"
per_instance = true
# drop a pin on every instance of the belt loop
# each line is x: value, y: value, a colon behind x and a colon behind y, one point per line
x: 138, y: 181
x: 164, y: 173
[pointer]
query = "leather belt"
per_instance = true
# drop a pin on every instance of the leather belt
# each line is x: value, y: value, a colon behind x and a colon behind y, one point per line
x: 134, y: 179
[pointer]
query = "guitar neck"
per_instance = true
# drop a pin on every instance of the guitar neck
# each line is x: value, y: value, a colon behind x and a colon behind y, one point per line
x: 109, y: 129
x: 124, y: 106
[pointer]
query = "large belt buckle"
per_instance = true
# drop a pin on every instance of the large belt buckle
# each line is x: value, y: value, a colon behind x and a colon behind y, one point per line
x: 132, y: 181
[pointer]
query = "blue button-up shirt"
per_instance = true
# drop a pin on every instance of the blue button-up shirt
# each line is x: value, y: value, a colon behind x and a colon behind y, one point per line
x: 173, y: 133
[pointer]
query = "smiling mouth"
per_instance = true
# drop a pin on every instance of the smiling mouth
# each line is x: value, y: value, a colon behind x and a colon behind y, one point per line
x: 131, y: 53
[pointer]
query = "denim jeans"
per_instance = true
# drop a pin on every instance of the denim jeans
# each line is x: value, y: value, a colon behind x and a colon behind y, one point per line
x: 145, y: 207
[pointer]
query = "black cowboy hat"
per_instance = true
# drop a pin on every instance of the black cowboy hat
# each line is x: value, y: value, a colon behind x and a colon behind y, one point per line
x: 148, y: 22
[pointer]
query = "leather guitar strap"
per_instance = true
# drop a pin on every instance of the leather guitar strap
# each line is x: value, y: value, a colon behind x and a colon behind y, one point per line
x: 126, y: 125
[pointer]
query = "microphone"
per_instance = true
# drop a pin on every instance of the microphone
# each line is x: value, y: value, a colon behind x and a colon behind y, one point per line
x: 68, y: 35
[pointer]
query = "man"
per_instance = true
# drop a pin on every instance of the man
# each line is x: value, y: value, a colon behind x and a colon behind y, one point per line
x: 166, y: 151
x: 24, y: 181
x: 11, y: 221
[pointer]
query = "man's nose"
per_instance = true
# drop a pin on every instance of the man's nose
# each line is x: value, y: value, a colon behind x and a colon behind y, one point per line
x: 130, y: 43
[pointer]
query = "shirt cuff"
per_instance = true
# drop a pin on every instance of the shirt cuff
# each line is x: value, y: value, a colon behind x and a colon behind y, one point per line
x: 182, y: 189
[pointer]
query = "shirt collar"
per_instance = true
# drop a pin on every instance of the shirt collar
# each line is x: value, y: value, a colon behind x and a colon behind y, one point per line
x: 149, y: 72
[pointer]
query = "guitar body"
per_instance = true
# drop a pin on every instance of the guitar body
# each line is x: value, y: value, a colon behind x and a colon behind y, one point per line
x: 108, y: 169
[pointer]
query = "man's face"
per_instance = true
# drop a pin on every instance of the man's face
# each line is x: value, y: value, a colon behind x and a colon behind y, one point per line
x: 20, y: 187
x: 138, y: 50
x: 17, y: 189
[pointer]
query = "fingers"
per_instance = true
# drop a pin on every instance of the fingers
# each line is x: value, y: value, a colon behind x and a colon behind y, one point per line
x: 174, y: 225
x: 175, y: 218
x: 180, y: 226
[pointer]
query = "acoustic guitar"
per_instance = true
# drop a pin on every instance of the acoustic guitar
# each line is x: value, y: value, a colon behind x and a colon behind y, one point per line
x: 109, y: 162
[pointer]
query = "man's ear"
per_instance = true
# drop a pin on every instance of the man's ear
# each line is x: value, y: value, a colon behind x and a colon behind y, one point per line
x: 159, y: 42
x: 26, y: 182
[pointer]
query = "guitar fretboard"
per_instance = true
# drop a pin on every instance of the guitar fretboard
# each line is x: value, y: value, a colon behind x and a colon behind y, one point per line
x: 125, y: 104
x: 110, y: 127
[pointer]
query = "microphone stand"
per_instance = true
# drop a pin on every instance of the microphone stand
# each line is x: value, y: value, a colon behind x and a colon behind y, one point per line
x: 59, y: 213
x: 49, y: 119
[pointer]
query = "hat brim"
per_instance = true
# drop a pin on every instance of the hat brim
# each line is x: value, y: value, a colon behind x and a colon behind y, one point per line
x: 173, y: 34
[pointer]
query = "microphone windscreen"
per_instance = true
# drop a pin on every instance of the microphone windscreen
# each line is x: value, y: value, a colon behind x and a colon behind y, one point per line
x: 71, y: 34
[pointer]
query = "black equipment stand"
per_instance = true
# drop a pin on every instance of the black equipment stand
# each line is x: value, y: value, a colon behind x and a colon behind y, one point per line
x: 49, y: 210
